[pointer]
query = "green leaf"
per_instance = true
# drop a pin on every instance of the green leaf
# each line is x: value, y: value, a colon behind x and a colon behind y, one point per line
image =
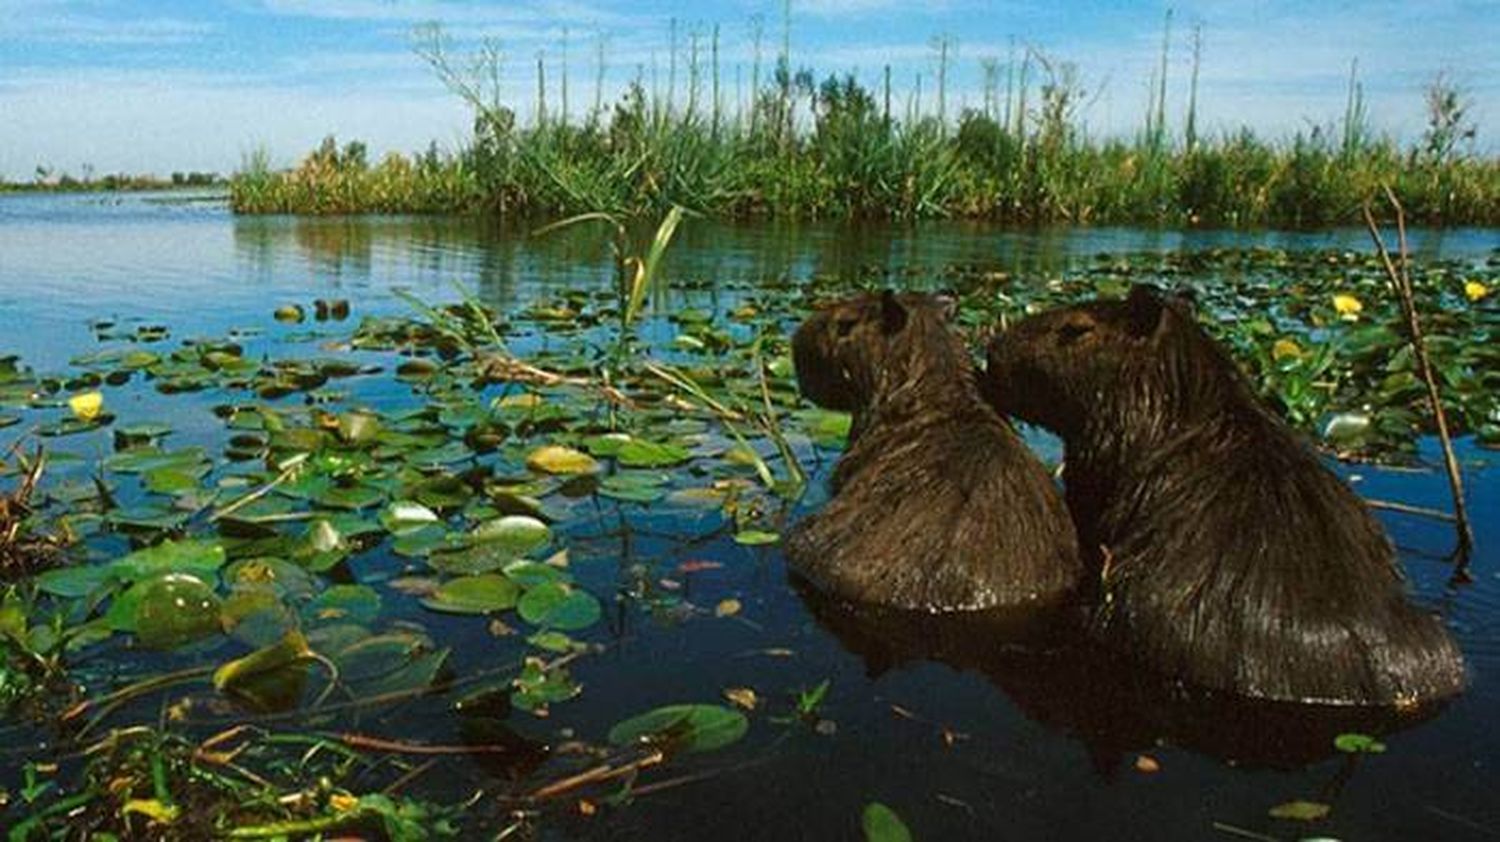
x: 174, y: 609
x: 690, y: 728
x: 1302, y: 811
x: 515, y: 534
x: 405, y: 516
x: 756, y: 537
x: 201, y: 558
x: 881, y: 824
x: 647, y: 454
x: 74, y: 582
x: 346, y: 603
x: 479, y: 594
x: 559, y: 606
x: 1358, y: 744
x: 290, y: 650
x: 556, y: 459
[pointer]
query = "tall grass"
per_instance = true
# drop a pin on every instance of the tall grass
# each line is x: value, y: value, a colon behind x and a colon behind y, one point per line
x: 809, y: 147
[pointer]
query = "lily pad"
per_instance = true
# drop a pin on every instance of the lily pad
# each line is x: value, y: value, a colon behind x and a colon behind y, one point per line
x: 881, y: 824
x: 689, y: 728
x: 557, y: 605
x: 556, y: 459
x: 479, y: 594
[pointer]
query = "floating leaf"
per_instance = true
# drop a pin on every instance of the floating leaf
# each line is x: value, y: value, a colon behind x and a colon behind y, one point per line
x: 556, y: 459
x: 478, y: 594
x: 515, y: 534
x: 645, y: 454
x: 756, y: 537
x: 288, y: 651
x: 552, y: 641
x: 406, y: 516
x: 1358, y: 744
x: 347, y: 603
x: 727, y: 608
x: 1474, y: 290
x: 881, y: 824
x: 174, y: 609
x: 195, y: 557
x: 690, y: 728
x: 559, y: 606
x: 74, y: 582
x: 1302, y: 811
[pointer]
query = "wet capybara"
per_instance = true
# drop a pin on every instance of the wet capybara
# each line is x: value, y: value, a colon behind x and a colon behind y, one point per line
x: 1227, y: 554
x: 1078, y: 686
x: 938, y: 505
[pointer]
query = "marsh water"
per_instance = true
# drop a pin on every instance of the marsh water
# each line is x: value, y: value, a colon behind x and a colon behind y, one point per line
x: 964, y: 739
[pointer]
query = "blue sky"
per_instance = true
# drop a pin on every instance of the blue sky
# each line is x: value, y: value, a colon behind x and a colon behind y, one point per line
x: 161, y: 86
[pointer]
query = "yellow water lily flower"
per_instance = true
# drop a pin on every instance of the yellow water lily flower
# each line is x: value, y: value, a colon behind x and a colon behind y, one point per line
x: 87, y: 405
x: 1348, y: 306
x: 1475, y: 290
x: 1286, y: 349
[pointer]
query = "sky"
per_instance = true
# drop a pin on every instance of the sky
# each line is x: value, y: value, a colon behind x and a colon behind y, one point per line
x: 154, y: 87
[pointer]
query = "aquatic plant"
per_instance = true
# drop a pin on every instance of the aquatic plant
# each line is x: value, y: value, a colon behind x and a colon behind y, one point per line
x: 366, y: 543
x: 799, y: 147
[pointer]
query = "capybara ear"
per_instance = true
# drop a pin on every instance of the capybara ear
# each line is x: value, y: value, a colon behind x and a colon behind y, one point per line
x: 1144, y: 310
x: 892, y: 313
x: 947, y: 304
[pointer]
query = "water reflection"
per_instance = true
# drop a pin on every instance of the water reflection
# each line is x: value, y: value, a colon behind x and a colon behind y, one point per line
x: 1041, y: 662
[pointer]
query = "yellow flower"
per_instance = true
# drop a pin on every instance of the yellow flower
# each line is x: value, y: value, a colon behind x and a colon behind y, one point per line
x: 1348, y: 306
x: 1475, y: 290
x: 1286, y: 349
x: 87, y: 405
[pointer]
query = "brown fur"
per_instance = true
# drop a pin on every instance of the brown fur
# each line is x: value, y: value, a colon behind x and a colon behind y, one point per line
x: 1229, y: 555
x: 938, y: 505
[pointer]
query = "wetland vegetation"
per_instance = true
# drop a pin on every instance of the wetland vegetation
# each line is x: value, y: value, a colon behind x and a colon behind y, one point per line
x: 443, y: 567
x: 802, y: 144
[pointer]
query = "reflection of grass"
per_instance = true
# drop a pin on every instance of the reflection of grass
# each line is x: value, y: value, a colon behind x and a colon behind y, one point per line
x: 836, y: 148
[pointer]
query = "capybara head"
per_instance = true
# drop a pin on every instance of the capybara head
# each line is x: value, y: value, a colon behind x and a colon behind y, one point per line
x: 849, y: 348
x: 1063, y: 366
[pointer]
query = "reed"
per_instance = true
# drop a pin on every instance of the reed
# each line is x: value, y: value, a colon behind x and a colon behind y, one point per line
x: 801, y: 146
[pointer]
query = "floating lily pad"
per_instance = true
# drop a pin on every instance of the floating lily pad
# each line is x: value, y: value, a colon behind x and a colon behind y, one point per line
x: 174, y: 609
x: 556, y: 459
x: 515, y: 534
x: 689, y: 728
x: 480, y: 594
x: 881, y: 824
x: 559, y: 606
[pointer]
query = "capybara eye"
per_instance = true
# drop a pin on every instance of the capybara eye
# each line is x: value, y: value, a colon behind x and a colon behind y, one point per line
x: 843, y: 326
x: 1073, y: 331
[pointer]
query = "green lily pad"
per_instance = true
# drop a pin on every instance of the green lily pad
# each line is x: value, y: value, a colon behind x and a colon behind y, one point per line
x: 479, y: 594
x: 556, y: 459
x: 515, y: 534
x: 646, y: 454
x: 174, y: 609
x: 195, y: 557
x: 881, y: 824
x: 557, y: 605
x: 689, y: 728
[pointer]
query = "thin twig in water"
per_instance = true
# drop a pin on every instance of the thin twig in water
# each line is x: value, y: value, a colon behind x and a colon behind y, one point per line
x: 288, y: 469
x: 598, y: 774
x: 1401, y: 282
x: 1406, y: 509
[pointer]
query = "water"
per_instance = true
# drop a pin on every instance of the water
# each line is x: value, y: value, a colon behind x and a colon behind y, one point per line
x: 964, y: 741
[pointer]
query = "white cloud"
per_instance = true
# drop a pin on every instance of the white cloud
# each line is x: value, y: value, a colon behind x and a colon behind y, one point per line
x: 39, y: 25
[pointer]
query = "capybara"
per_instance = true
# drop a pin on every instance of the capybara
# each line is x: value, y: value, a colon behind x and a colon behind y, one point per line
x: 937, y: 506
x: 1078, y: 686
x: 1227, y: 554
